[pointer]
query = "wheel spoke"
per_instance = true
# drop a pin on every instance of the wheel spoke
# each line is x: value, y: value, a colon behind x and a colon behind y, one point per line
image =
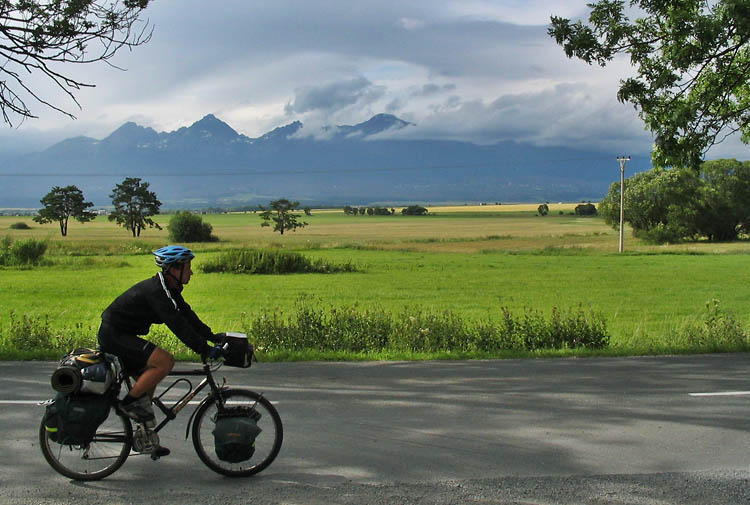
x: 107, y: 451
x: 267, y: 444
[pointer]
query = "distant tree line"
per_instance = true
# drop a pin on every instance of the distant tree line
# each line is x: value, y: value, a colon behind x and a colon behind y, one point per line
x: 411, y: 210
x: 370, y: 211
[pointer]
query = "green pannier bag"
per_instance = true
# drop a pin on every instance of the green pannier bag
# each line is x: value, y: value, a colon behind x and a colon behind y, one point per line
x: 72, y: 419
x: 235, y: 432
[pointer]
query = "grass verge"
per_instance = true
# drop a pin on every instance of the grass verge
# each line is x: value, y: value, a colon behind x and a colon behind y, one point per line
x: 317, y: 333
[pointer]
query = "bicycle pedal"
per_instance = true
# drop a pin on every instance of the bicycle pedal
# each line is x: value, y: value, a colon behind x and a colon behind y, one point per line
x: 158, y: 452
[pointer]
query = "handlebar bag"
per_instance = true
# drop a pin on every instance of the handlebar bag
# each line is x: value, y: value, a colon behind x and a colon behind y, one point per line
x: 237, y: 350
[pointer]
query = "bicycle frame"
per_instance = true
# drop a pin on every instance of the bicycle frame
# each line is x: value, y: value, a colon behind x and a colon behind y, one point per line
x: 170, y: 411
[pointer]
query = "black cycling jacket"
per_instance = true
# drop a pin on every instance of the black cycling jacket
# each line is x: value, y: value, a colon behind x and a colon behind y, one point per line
x: 152, y: 301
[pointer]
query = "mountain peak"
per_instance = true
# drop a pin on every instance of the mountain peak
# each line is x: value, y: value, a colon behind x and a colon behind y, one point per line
x: 211, y: 126
x: 376, y: 124
x: 209, y: 119
x: 282, y: 132
x: 130, y: 133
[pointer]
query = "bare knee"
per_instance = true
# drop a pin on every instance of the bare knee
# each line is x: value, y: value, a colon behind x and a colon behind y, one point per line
x: 161, y: 360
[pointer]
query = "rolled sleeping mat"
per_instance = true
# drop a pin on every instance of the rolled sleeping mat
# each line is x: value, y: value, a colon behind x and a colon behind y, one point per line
x: 66, y: 379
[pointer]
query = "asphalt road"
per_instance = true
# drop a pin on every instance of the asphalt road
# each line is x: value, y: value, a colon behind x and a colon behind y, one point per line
x: 666, y: 430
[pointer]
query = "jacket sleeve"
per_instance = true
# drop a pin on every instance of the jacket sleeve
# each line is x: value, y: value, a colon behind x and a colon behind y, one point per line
x: 167, y: 307
x: 199, y: 326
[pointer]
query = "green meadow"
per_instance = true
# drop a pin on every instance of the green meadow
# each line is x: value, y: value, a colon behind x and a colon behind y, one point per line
x: 471, y: 262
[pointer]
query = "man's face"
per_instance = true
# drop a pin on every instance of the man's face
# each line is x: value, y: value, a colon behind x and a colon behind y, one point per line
x: 182, y: 272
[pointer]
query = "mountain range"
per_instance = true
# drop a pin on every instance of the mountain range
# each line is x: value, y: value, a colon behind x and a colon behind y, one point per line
x: 210, y: 164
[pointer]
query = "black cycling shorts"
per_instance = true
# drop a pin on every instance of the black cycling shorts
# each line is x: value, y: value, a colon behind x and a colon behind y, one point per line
x: 132, y: 350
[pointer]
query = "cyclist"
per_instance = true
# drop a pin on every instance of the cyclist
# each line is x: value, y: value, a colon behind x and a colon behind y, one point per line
x: 153, y: 301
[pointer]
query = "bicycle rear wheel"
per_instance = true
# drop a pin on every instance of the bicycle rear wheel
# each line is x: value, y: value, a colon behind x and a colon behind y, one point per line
x: 101, y: 457
x: 267, y: 443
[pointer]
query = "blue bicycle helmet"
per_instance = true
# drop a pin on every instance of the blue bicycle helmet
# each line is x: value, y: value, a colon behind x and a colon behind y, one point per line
x: 172, y: 255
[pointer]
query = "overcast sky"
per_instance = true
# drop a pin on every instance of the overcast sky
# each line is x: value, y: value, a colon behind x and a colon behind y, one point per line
x: 474, y: 70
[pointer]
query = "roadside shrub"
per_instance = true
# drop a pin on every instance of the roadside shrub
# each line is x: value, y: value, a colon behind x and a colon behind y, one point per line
x: 348, y: 329
x: 29, y: 333
x: 253, y: 261
x: 354, y: 330
x: 20, y: 226
x: 719, y: 330
x: 188, y: 227
x: 420, y: 331
x: 34, y: 333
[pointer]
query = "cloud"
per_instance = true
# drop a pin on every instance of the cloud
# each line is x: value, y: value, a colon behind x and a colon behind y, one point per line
x: 431, y: 89
x: 410, y: 23
x: 334, y: 96
x: 571, y: 115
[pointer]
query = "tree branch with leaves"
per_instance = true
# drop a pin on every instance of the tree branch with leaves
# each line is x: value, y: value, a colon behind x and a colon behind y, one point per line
x: 692, y: 59
x: 36, y: 37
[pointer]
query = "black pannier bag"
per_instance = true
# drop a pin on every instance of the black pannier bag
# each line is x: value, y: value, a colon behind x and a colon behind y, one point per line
x: 235, y: 433
x: 72, y: 419
x: 237, y: 350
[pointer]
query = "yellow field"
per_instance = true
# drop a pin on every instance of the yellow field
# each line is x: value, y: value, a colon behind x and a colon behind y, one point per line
x: 512, y: 207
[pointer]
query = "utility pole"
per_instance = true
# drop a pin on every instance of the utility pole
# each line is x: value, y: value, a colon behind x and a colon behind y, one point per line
x: 623, y: 160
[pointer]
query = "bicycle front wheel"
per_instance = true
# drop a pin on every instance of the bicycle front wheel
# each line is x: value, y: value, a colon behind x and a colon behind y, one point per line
x: 101, y: 457
x: 267, y: 443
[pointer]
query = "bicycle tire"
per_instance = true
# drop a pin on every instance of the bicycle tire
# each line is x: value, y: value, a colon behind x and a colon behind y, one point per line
x: 267, y: 444
x: 101, y: 457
